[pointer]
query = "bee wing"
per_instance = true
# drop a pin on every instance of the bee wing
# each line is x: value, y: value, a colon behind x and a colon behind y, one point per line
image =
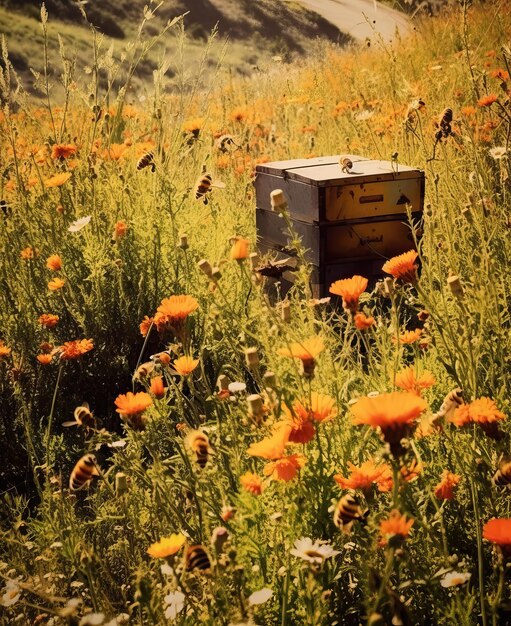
x: 86, y: 406
x: 218, y: 184
x: 73, y: 423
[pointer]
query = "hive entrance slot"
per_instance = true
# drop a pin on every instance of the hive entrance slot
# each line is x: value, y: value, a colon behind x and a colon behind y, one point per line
x: 371, y: 199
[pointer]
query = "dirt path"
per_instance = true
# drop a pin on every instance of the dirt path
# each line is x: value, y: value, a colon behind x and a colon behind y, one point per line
x: 350, y: 17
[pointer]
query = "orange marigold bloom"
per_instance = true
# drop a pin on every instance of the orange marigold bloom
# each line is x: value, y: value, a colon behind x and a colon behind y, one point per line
x: 410, y: 336
x: 322, y: 407
x: 185, y: 365
x: 133, y: 403
x: 167, y: 546
x: 445, y: 488
x: 63, y: 150
x: 498, y: 531
x: 240, y: 248
x: 193, y: 126
x: 157, y: 388
x: 394, y: 413
x: 54, y: 262
x: 271, y: 447
x: 45, y: 359
x: 173, y: 311
x: 487, y: 100
x: 28, y: 253
x: 48, y: 320
x: 252, y: 483
x: 406, y: 379
x: 481, y: 411
x: 403, y: 267
x: 501, y: 74
x: 411, y: 472
x: 350, y: 290
x: 75, y: 349
x: 58, y: 180
x: 285, y: 468
x: 395, y: 526
x: 56, y: 283
x: 461, y: 415
x: 302, y: 430
x: 145, y: 325
x: 362, y: 321
x: 120, y: 229
x: 115, y: 152
x: 365, y: 476
x: 4, y: 350
x: 306, y: 351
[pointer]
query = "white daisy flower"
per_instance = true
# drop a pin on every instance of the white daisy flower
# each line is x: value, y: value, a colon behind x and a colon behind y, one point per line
x: 92, y: 619
x: 76, y: 226
x: 237, y: 387
x: 313, y: 551
x: 175, y: 604
x: 11, y: 593
x: 260, y: 597
x: 454, y: 579
x: 499, y: 152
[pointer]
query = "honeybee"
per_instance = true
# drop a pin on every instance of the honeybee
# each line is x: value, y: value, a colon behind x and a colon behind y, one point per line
x: 224, y: 143
x: 502, y: 476
x: 275, y: 269
x: 146, y: 160
x: 451, y: 402
x: 82, y: 417
x: 445, y: 124
x: 198, y: 442
x: 196, y: 558
x: 83, y: 472
x: 346, y: 164
x: 144, y: 371
x: 347, y: 511
x: 204, y: 186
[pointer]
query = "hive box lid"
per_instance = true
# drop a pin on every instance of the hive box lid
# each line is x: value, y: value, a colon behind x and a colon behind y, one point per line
x: 327, y: 172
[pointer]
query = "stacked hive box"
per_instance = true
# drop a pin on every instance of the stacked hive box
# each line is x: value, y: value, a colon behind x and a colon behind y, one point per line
x: 350, y: 221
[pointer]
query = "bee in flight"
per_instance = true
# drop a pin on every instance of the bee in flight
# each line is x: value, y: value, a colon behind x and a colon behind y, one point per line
x: 204, y: 186
x: 502, y: 476
x: 275, y: 269
x: 347, y: 511
x: 82, y: 417
x: 451, y: 402
x: 144, y: 371
x: 198, y: 443
x: 146, y: 160
x: 346, y: 164
x: 197, y: 558
x: 83, y: 472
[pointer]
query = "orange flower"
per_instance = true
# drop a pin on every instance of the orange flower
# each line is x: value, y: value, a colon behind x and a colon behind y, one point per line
x: 362, y: 322
x: 284, y: 468
x: 48, y: 320
x: 45, y: 359
x: 350, y: 290
x: 394, y: 413
x: 306, y: 351
x: 406, y: 379
x: 271, y: 447
x: 145, y: 325
x: 239, y: 250
x: 445, y: 488
x: 411, y: 472
x: 487, y: 100
x: 461, y: 415
x: 365, y: 476
x: 403, y: 267
x: 28, y: 253
x: 322, y: 407
x: 167, y: 546
x: 63, y: 150
x: 56, y: 283
x: 501, y: 74
x: 498, y: 531
x: 302, y: 430
x: 115, y: 152
x: 251, y: 483
x: 58, y: 180
x: 54, y: 262
x: 185, y: 365
x: 75, y: 349
x: 173, y: 311
x: 130, y: 406
x: 396, y: 526
x: 193, y: 126
x: 482, y: 411
x: 157, y: 388
x: 410, y: 336
x: 4, y: 350
x: 120, y: 229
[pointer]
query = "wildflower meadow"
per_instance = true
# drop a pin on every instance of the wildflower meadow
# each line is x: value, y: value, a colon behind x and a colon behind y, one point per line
x: 185, y: 443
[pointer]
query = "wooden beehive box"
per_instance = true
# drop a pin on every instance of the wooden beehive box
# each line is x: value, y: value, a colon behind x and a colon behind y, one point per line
x: 350, y: 222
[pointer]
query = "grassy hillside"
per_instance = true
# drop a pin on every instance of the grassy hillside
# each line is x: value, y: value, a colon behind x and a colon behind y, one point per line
x: 280, y: 460
x: 257, y: 31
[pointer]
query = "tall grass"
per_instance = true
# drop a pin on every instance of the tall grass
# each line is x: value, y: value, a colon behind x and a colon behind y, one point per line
x: 81, y: 557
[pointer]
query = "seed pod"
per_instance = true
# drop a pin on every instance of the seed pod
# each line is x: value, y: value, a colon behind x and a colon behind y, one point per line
x: 183, y: 241
x: 278, y: 200
x: 455, y: 286
x: 252, y: 358
x: 205, y: 267
x: 255, y: 405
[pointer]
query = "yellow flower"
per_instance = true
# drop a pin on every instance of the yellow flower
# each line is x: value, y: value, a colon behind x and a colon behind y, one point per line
x: 56, y: 283
x: 185, y: 365
x: 167, y: 546
x: 54, y: 262
x: 58, y: 180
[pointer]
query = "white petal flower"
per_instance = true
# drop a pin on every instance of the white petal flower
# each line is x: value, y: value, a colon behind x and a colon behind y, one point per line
x: 453, y: 579
x: 313, y: 551
x: 499, y: 152
x: 74, y: 227
x: 92, y: 619
x: 260, y: 597
x: 11, y: 593
x: 237, y: 387
x: 176, y: 603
